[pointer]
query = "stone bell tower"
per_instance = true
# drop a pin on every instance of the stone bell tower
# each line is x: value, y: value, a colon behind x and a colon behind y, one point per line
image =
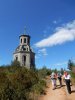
x: 24, y: 53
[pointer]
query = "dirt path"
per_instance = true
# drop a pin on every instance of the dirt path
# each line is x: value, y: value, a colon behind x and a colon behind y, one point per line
x: 58, y: 93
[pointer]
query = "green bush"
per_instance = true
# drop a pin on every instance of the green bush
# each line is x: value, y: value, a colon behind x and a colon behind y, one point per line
x: 15, y: 63
x: 72, y: 77
x: 42, y: 73
x: 39, y: 87
x: 17, y: 83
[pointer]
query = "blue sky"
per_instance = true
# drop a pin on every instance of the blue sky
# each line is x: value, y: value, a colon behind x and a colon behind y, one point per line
x: 50, y: 23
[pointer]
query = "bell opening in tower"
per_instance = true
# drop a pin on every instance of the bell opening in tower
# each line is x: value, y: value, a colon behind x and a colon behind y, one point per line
x: 24, y: 40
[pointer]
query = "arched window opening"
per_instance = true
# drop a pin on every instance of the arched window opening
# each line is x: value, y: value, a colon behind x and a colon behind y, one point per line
x: 21, y: 40
x: 16, y: 58
x: 24, y: 60
x: 24, y: 40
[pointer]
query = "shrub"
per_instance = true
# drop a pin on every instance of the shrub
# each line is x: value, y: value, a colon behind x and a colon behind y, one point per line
x: 16, y: 83
x: 72, y: 77
x: 15, y: 63
x: 39, y: 87
x: 42, y: 73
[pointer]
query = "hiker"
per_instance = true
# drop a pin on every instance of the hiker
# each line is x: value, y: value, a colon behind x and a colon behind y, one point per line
x: 67, y: 78
x: 59, y: 76
x: 53, y: 78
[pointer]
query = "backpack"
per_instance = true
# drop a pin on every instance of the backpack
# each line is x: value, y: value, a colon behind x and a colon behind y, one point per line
x: 59, y: 75
x: 53, y: 75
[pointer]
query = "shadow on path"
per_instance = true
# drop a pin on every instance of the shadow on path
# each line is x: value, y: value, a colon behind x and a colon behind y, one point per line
x: 73, y: 91
x: 58, y: 86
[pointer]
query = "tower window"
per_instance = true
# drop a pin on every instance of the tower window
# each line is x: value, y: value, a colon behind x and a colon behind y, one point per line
x: 16, y: 58
x: 24, y: 49
x: 24, y: 60
x: 21, y: 40
x: 24, y: 40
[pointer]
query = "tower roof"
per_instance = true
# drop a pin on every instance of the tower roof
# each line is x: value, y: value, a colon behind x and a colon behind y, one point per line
x: 24, y: 35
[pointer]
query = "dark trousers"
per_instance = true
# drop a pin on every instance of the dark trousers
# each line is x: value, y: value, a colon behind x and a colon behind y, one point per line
x: 68, y: 85
x: 60, y: 80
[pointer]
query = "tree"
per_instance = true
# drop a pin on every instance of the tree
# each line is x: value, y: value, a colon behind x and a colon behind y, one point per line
x: 55, y: 70
x: 62, y: 71
x: 70, y: 64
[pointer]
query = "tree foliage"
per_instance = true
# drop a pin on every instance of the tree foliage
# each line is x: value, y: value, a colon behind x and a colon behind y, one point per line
x: 71, y: 67
x: 62, y: 71
x: 70, y: 64
x: 44, y: 72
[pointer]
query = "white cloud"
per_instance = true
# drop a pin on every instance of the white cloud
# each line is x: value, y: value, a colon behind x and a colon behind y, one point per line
x: 42, y: 51
x: 62, y: 34
x: 61, y: 64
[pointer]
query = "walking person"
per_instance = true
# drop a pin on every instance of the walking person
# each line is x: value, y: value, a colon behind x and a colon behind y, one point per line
x: 59, y: 76
x: 67, y: 78
x: 53, y: 79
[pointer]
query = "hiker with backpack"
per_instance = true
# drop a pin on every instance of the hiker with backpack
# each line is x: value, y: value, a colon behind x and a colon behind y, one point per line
x: 53, y: 79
